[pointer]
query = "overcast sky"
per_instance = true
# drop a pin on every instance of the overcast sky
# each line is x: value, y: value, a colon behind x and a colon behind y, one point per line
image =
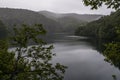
x: 59, y: 6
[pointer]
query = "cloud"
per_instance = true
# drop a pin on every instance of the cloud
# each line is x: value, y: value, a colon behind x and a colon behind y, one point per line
x: 62, y: 6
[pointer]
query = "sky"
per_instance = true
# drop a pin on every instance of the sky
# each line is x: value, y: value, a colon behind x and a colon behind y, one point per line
x: 58, y: 6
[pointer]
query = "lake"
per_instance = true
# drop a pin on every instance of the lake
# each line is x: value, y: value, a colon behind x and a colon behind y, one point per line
x: 83, y: 60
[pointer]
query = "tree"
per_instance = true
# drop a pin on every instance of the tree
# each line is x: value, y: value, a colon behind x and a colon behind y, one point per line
x: 28, y: 62
x: 95, y: 4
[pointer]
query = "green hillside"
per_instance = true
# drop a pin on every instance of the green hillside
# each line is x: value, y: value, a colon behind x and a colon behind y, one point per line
x: 11, y: 17
x: 104, y: 28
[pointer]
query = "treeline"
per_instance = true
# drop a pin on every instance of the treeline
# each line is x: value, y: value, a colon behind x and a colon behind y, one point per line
x: 104, y: 28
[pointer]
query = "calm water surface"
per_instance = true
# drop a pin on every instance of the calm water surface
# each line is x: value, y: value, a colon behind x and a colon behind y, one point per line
x: 83, y: 61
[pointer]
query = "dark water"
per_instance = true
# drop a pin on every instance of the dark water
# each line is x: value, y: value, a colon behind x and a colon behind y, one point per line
x: 83, y: 60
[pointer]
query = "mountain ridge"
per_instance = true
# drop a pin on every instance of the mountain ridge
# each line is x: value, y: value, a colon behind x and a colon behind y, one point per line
x: 54, y: 24
x: 70, y: 21
x: 11, y: 17
x: 50, y: 14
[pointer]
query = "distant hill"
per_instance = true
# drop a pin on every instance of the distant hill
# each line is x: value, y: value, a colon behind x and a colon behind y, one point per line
x: 11, y: 17
x: 52, y: 22
x: 70, y: 21
x: 81, y: 17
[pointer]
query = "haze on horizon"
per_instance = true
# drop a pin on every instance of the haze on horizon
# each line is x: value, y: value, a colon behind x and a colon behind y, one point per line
x: 58, y: 6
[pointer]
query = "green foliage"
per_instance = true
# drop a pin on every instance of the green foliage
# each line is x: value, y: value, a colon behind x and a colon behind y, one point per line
x: 29, y: 62
x: 26, y: 34
x: 112, y: 53
x: 95, y: 4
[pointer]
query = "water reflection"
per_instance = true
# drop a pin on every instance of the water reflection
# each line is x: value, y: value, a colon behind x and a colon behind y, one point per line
x: 83, y: 60
x: 111, y: 51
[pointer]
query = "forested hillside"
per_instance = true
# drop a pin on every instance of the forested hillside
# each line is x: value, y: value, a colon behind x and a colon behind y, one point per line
x: 3, y: 31
x: 11, y: 17
x: 105, y: 28
x: 70, y: 21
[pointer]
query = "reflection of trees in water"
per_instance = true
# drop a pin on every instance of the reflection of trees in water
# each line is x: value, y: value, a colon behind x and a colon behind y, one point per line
x: 112, y: 54
x: 111, y: 51
x: 98, y: 44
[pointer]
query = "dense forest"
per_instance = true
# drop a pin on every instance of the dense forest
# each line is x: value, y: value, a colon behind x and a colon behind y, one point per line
x: 104, y: 28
